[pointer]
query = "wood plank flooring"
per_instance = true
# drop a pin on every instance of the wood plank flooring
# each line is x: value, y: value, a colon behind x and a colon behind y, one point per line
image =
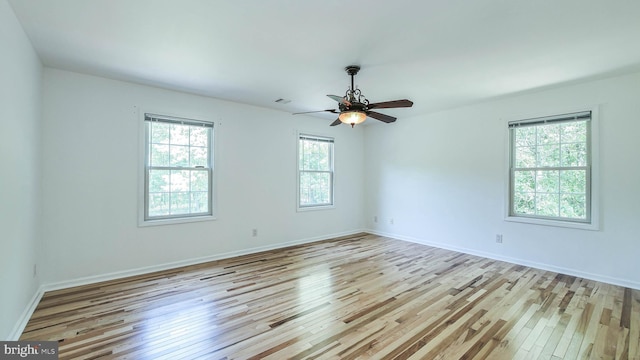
x: 356, y: 297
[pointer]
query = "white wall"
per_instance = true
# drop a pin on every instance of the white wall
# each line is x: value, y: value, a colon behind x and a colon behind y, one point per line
x: 20, y: 104
x: 90, y: 179
x: 442, y: 179
x: 69, y: 182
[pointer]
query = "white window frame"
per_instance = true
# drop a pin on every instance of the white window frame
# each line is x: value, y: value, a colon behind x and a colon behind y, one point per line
x: 331, y: 205
x: 143, y: 219
x: 593, y: 194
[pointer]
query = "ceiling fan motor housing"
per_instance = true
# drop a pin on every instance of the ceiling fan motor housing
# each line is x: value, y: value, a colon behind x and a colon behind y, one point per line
x: 355, y: 106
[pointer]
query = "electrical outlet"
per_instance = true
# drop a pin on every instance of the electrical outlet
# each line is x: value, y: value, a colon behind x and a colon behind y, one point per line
x: 35, y: 270
x: 499, y: 238
x: 375, y: 219
x: 254, y: 232
x: 391, y: 221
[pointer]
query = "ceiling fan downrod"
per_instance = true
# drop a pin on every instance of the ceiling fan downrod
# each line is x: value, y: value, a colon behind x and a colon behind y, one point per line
x: 354, y: 95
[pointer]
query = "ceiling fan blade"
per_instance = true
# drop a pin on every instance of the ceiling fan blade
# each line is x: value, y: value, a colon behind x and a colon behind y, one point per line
x: 317, y: 111
x: 391, y: 104
x: 340, y: 99
x: 381, y: 117
x: 337, y: 122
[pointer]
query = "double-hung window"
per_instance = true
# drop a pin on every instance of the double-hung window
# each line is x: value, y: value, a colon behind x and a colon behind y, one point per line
x: 178, y: 168
x: 315, y: 171
x: 550, y: 168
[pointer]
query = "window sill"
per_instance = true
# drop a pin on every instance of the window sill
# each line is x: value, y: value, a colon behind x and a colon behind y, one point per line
x: 556, y: 223
x: 159, y: 222
x: 316, y: 208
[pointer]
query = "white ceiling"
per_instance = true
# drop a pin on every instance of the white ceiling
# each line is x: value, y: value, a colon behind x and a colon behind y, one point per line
x: 440, y: 54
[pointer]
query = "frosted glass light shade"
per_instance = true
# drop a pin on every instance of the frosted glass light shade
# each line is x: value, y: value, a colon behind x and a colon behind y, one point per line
x: 352, y: 117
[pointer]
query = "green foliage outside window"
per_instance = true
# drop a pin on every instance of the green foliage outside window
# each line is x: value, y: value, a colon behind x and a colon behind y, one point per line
x: 315, y: 164
x: 550, y: 170
x: 178, y: 171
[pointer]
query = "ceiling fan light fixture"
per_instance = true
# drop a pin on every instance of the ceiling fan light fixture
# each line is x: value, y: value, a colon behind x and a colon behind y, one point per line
x: 354, y: 107
x: 352, y: 117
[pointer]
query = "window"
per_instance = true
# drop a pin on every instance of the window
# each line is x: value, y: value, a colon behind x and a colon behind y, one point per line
x: 178, y: 168
x: 550, y: 168
x: 315, y: 171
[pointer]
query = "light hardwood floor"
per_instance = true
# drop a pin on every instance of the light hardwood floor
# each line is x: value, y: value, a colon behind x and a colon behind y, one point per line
x: 362, y: 296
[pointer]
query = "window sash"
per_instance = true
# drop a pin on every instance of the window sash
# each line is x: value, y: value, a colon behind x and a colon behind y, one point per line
x: 564, y: 118
x: 302, y: 170
x: 208, y: 168
x: 171, y: 193
x: 330, y: 189
x: 587, y: 171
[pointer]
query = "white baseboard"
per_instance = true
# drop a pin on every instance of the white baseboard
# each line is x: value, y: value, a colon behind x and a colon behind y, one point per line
x: 524, y: 262
x: 26, y: 315
x: 31, y: 307
x: 172, y: 265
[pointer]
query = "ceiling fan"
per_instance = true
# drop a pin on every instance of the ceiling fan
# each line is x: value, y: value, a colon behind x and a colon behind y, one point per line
x: 353, y: 107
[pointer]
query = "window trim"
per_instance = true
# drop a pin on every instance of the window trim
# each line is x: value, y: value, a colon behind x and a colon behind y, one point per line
x: 593, y: 193
x: 142, y: 167
x: 300, y: 208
